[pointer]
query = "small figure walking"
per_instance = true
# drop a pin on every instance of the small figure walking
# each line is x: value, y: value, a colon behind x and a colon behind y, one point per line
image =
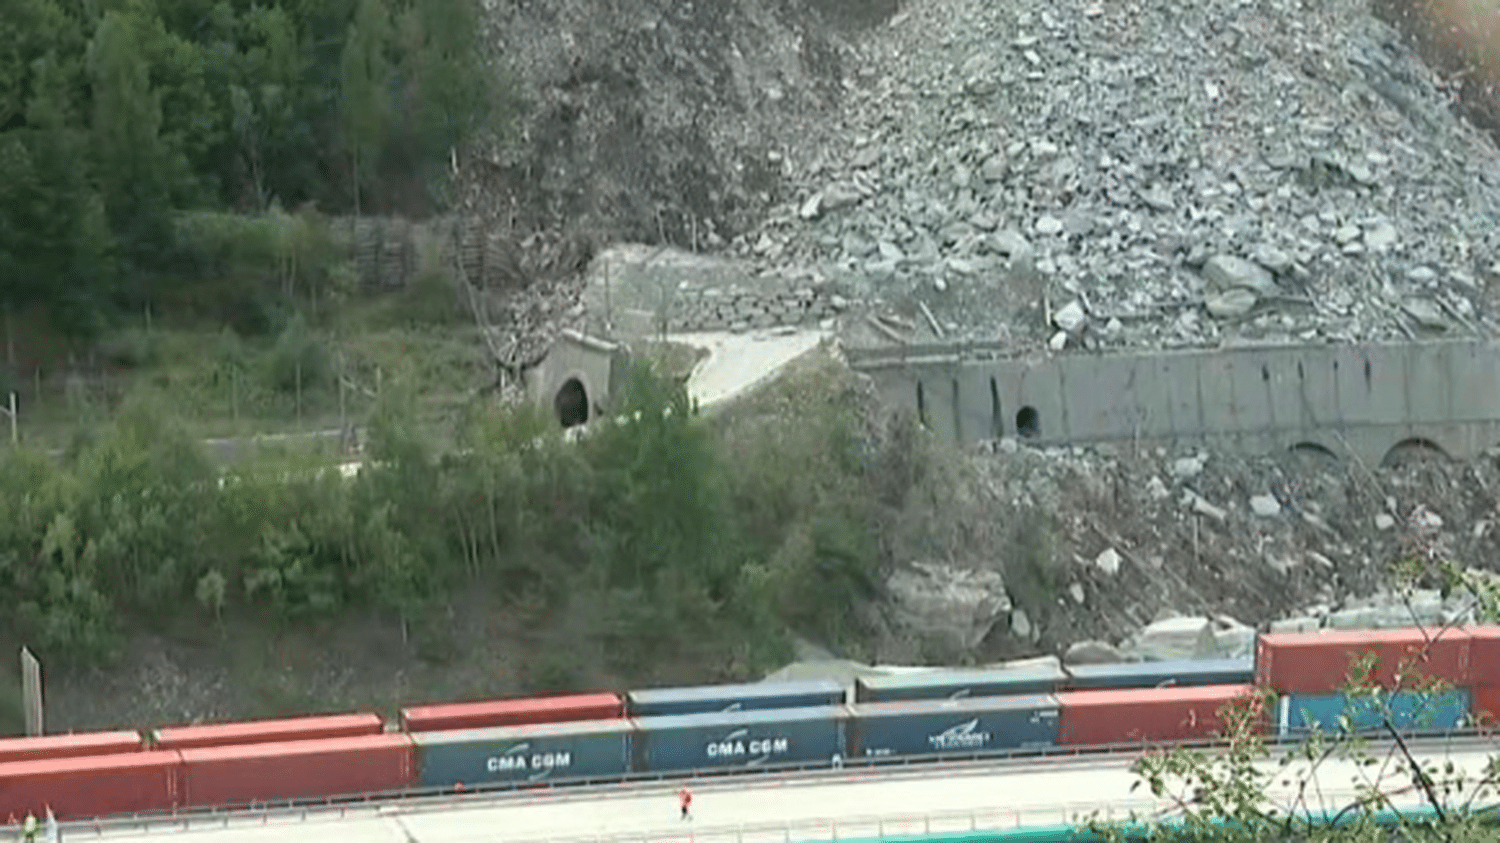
x: 685, y: 799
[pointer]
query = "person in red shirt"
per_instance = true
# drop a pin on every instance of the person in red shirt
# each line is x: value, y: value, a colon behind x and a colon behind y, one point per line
x: 685, y: 798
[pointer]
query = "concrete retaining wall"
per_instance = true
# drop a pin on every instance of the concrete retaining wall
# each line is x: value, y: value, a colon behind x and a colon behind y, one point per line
x: 1365, y: 400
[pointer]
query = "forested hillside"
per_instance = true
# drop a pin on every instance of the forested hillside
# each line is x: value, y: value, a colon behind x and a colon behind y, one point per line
x: 118, y: 116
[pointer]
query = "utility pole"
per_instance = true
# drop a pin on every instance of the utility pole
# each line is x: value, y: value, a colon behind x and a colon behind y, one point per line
x: 10, y: 411
x: 31, y: 692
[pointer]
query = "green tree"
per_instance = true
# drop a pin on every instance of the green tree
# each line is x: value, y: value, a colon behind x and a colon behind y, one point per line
x: 269, y: 103
x: 29, y: 29
x: 365, y: 92
x: 53, y: 232
x: 135, y: 166
x: 447, y: 87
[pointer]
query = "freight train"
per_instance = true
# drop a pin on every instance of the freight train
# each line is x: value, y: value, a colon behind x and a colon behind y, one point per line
x: 666, y: 732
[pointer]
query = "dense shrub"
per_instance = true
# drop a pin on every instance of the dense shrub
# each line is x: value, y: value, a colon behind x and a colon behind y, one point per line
x: 655, y: 531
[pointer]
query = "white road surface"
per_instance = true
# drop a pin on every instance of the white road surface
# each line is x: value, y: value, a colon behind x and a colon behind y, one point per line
x: 763, y: 810
x: 737, y: 363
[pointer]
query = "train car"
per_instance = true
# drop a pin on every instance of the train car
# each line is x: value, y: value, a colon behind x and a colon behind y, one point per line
x: 1178, y: 673
x: 957, y: 684
x: 520, y: 711
x: 1484, y: 656
x: 79, y: 745
x: 297, y: 770
x: 1321, y: 662
x: 510, y: 755
x: 755, y: 696
x: 913, y: 728
x: 99, y: 786
x: 1151, y: 715
x: 739, y: 739
x: 268, y: 731
x: 1407, y: 711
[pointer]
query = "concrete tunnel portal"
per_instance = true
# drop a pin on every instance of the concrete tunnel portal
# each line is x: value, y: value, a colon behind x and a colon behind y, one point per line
x: 572, y: 403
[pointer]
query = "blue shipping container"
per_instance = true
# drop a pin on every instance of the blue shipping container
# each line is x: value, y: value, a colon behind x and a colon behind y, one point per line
x: 1414, y: 711
x: 758, y: 696
x: 953, y: 727
x: 740, y: 739
x: 957, y: 684
x: 1162, y: 674
x: 547, y: 751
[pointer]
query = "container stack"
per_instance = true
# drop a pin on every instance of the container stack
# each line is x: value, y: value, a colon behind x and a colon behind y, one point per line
x: 1429, y: 681
x: 1420, y: 678
x: 1484, y: 674
x: 1150, y: 715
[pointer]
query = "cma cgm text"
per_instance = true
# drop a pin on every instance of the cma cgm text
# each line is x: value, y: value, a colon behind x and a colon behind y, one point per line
x: 757, y: 747
x: 537, y: 761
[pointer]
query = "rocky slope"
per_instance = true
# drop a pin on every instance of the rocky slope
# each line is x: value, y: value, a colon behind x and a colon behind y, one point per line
x: 1018, y: 551
x: 652, y: 122
x: 1185, y: 171
x: 1158, y: 173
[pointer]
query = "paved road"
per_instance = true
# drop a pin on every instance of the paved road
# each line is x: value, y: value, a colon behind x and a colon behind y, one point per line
x: 758, y: 810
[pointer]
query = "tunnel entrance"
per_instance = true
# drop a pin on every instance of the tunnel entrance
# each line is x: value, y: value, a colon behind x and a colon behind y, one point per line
x: 1028, y: 423
x: 572, y: 404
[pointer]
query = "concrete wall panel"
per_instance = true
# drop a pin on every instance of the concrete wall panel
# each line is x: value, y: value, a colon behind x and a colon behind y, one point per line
x: 979, y: 413
x: 1216, y: 386
x: 1354, y: 389
x: 1429, y: 384
x: 1095, y: 408
x: 1385, y: 392
x: 1473, y: 374
x: 896, y: 387
x: 1142, y: 413
x: 1318, y: 388
x: 1179, y: 372
x: 1283, y: 392
x: 966, y: 427
x: 1251, y: 393
x: 1359, y: 399
x: 937, y: 391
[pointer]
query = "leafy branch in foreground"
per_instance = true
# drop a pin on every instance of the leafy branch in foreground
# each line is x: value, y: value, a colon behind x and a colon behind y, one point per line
x: 1361, y: 779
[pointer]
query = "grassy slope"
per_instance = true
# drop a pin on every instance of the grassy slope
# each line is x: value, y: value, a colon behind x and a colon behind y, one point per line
x: 473, y: 646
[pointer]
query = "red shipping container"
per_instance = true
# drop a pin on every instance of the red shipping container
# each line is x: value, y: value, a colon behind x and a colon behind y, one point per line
x: 283, y: 772
x: 1131, y: 715
x: 1484, y: 656
x: 268, y: 731
x: 1487, y: 706
x: 69, y: 746
x: 514, y: 712
x: 85, y: 788
x: 1319, y: 662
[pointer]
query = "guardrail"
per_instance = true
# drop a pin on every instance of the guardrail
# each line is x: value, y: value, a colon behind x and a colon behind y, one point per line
x: 796, y: 831
x: 618, y: 787
x: 1077, y: 814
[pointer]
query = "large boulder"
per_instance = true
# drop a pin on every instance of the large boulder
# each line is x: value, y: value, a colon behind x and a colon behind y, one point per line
x: 954, y: 605
x: 1193, y: 638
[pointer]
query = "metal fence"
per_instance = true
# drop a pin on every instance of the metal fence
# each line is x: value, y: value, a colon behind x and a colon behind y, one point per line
x: 372, y: 805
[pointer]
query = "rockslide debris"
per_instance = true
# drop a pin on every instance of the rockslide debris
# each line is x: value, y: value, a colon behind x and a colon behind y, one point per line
x: 1163, y: 173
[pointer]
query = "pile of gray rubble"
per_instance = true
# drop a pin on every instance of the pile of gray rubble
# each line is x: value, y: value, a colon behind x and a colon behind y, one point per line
x: 1179, y: 172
